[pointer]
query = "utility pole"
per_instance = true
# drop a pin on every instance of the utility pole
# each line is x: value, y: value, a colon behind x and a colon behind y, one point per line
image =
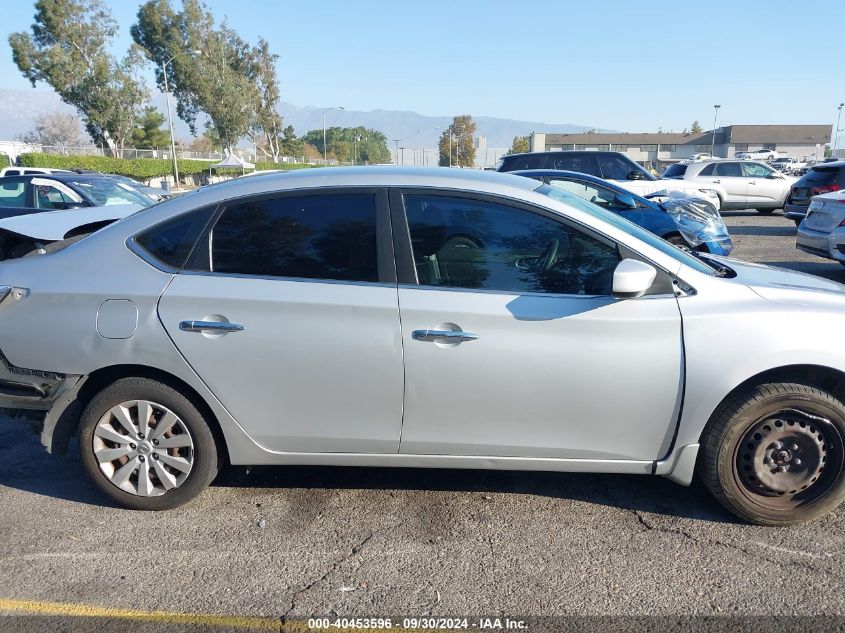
x: 170, y: 116
x: 713, y: 143
x: 396, y: 156
x: 836, y: 130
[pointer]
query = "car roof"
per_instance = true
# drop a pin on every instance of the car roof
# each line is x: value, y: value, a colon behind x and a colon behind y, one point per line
x: 62, y: 177
x: 576, y: 175
x: 563, y: 151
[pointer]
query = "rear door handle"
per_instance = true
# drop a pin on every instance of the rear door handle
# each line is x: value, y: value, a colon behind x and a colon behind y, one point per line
x: 752, y: 182
x: 717, y: 181
x: 443, y: 336
x: 209, y: 326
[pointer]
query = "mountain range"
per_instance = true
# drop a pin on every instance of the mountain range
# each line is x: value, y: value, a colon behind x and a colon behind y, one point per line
x: 18, y: 108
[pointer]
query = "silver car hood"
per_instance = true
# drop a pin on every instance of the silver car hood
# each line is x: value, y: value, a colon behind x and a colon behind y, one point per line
x: 51, y: 226
x: 780, y: 284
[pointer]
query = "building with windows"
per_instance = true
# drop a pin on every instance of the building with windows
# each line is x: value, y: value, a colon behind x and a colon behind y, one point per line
x: 660, y: 149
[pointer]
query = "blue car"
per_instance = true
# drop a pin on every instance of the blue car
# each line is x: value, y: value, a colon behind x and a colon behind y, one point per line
x: 689, y: 223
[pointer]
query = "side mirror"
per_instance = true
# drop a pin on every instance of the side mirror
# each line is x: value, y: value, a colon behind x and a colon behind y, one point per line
x: 632, y: 278
x: 624, y: 201
x: 636, y: 174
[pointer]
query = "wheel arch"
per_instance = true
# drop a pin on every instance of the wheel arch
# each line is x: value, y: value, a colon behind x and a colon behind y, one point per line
x: 825, y: 378
x: 65, y: 423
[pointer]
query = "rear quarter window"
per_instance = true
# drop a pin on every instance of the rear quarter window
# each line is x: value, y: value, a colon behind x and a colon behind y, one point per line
x: 173, y: 240
x: 675, y: 171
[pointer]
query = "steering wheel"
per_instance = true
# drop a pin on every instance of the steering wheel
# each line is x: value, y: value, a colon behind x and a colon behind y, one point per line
x: 548, y: 257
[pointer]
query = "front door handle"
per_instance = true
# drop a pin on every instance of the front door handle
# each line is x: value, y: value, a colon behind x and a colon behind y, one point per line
x: 443, y: 336
x: 717, y: 181
x: 209, y: 326
x: 752, y: 182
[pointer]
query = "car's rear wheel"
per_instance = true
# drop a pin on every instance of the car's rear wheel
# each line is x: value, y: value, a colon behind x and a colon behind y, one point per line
x: 773, y: 455
x: 146, y: 445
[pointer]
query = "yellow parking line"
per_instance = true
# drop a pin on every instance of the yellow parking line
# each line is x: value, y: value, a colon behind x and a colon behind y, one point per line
x: 35, y: 607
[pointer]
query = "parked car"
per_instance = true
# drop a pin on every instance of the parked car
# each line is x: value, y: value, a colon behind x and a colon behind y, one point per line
x: 611, y: 166
x: 746, y: 184
x: 26, y: 232
x: 65, y: 191
x: 787, y: 164
x: 820, y: 179
x: 30, y: 171
x: 690, y: 223
x: 822, y: 232
x: 156, y: 194
x: 758, y: 154
x: 343, y: 316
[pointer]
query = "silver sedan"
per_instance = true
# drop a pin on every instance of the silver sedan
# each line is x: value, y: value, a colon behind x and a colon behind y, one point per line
x: 422, y: 318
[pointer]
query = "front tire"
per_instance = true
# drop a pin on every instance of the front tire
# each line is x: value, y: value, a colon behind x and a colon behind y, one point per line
x: 145, y: 445
x: 773, y: 455
x: 766, y: 211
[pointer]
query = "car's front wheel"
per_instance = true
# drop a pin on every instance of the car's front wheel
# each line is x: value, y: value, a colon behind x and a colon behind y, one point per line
x: 765, y: 211
x: 146, y: 445
x: 773, y: 455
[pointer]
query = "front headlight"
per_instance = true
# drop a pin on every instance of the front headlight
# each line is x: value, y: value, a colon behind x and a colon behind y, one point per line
x: 709, y: 192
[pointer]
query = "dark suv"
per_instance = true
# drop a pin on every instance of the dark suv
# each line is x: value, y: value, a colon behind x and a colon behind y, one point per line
x: 822, y: 178
x: 607, y: 165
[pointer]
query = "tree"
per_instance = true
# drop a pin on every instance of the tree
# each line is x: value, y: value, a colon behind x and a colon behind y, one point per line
x: 268, y: 121
x: 148, y: 133
x: 67, y: 50
x: 291, y: 145
x: 520, y: 145
x: 695, y: 128
x: 461, y: 133
x: 223, y: 81
x: 348, y: 144
x: 57, y: 130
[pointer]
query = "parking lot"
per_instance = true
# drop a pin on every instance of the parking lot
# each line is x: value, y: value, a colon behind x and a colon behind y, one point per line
x: 297, y: 541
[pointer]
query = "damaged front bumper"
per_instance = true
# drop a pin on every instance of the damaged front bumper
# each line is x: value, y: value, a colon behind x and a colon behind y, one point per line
x: 41, y: 397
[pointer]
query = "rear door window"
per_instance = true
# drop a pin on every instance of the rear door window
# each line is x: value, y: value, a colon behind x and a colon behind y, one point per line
x: 675, y: 171
x: 325, y: 236
x: 526, y: 161
x: 581, y: 162
x: 729, y: 170
x: 614, y: 167
x: 708, y: 170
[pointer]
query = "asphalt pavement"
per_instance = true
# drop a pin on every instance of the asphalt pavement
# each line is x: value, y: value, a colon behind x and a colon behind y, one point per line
x: 291, y: 542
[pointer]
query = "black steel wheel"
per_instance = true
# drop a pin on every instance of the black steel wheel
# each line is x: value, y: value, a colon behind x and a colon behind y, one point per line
x: 773, y: 455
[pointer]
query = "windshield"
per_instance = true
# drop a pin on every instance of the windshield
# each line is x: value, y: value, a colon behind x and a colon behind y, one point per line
x: 629, y: 227
x: 105, y: 192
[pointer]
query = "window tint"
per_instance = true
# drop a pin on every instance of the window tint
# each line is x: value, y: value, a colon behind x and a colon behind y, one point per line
x: 708, y: 170
x: 602, y: 196
x: 615, y: 167
x: 583, y: 163
x: 524, y: 161
x: 315, y: 237
x: 757, y: 171
x: 171, y: 242
x: 12, y: 172
x: 822, y: 176
x: 675, y: 171
x: 474, y: 244
x: 728, y: 169
x: 12, y: 194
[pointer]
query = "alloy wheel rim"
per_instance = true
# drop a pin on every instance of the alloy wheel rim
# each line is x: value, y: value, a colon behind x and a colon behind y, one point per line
x: 788, y: 459
x: 143, y: 448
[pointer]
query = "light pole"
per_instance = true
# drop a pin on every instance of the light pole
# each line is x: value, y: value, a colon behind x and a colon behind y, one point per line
x: 836, y: 130
x: 169, y: 115
x: 396, y: 159
x: 713, y: 143
x: 417, y: 160
x: 325, y: 149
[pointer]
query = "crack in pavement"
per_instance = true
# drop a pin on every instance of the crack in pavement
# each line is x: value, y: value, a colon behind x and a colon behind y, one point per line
x: 356, y: 549
x: 651, y: 526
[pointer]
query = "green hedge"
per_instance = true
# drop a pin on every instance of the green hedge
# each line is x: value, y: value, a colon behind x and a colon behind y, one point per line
x: 138, y: 168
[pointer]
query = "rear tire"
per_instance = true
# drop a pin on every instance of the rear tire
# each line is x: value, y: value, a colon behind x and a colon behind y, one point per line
x: 174, y: 456
x: 773, y: 454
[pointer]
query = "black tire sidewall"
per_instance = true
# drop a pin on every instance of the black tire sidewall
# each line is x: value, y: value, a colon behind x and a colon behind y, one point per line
x: 741, y: 419
x: 205, y: 464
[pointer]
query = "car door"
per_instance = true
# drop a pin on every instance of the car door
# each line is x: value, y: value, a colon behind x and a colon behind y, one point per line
x: 729, y: 175
x: 513, y: 343
x: 765, y: 185
x: 288, y: 312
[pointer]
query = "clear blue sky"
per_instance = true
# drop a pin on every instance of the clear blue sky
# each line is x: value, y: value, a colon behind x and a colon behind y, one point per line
x: 624, y: 65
